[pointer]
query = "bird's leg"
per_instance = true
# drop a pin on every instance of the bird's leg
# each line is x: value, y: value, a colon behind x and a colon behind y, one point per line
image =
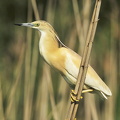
x: 88, y: 90
x: 74, y: 95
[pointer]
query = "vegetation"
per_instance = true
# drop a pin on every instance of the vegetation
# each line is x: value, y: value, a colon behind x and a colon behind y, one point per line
x: 29, y: 89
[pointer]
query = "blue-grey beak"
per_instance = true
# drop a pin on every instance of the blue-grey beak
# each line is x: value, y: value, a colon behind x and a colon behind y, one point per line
x: 25, y: 24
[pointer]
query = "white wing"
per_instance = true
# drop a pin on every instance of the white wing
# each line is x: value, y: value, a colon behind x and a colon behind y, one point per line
x: 92, y: 80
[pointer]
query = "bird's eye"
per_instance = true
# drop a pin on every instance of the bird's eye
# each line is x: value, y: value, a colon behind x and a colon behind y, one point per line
x: 37, y: 25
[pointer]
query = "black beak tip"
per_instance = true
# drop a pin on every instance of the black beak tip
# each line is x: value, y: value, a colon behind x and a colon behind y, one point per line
x: 18, y: 24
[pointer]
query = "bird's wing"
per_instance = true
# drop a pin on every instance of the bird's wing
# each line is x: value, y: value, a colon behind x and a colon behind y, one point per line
x: 72, y: 63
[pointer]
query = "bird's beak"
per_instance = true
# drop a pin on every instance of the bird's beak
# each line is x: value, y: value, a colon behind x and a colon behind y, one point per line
x: 25, y: 24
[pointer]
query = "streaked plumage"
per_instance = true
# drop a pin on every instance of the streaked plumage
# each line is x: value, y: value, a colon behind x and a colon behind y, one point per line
x: 65, y: 60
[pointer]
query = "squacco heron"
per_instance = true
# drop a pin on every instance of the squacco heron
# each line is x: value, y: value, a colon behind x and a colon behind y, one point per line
x: 65, y: 60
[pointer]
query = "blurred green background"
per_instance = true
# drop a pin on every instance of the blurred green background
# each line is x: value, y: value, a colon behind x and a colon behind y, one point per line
x: 29, y: 89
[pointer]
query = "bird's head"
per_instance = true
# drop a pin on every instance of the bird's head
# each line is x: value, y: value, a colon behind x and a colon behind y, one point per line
x: 39, y: 25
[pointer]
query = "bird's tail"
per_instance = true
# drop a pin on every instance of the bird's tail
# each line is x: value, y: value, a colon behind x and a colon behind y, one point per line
x: 105, y: 95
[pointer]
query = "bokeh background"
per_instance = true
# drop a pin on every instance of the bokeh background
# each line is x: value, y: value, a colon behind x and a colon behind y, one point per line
x: 29, y: 88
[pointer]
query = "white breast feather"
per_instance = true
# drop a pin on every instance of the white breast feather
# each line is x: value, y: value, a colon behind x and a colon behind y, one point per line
x: 41, y: 46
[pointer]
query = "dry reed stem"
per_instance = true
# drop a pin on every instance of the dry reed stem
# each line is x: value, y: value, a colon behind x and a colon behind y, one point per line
x: 27, y: 84
x: 88, y: 108
x: 17, y: 74
x: 50, y: 14
x: 35, y: 9
x: 62, y: 97
x: 86, y: 16
x: 42, y: 103
x: 79, y: 26
x: 2, y: 117
x: 93, y: 109
x: 85, y: 60
x: 51, y: 93
x: 113, y: 73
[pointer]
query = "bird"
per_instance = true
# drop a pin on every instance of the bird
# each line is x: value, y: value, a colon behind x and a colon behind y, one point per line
x: 65, y: 60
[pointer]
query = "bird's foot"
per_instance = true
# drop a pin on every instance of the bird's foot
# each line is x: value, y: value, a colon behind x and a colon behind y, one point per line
x: 74, y: 96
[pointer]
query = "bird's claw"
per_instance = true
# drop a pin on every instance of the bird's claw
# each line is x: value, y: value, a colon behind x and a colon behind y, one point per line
x: 74, y: 96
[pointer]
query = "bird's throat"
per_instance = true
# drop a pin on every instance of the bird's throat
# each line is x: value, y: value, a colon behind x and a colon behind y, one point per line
x: 47, y: 45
